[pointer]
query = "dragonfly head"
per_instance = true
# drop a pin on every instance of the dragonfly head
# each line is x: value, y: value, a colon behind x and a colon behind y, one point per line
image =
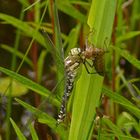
x: 75, y: 51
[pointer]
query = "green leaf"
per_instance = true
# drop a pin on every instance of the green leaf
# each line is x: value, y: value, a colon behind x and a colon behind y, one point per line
x: 38, y: 113
x: 68, y: 9
x: 126, y: 122
x: 73, y: 38
x: 128, y: 36
x: 61, y: 130
x: 17, y: 130
x: 131, y: 59
x: 89, y: 87
x: 31, y: 85
x: 40, y: 65
x: 100, y: 21
x: 136, y: 89
x: 17, y: 88
x: 122, y: 101
x: 59, y: 58
x: 25, y: 3
x: 19, y: 54
x: 116, y: 130
x: 85, y: 100
x: 81, y: 3
x: 33, y: 132
x: 28, y: 30
x: 46, y: 119
x: 30, y: 6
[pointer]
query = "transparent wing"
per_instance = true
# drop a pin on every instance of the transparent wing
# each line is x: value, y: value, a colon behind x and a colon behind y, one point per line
x: 58, y: 56
x: 59, y: 60
x: 44, y: 106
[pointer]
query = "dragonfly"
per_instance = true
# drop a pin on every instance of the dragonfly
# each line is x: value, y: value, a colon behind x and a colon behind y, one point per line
x: 76, y: 57
x: 72, y: 63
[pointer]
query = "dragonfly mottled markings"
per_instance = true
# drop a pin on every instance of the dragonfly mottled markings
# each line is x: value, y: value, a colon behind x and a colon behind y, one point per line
x: 72, y: 64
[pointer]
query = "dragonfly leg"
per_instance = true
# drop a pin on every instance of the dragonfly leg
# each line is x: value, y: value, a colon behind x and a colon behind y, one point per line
x: 106, y: 43
x: 91, y: 65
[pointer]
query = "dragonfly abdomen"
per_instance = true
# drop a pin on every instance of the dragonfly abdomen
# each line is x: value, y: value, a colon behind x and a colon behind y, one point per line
x: 68, y: 90
x: 72, y: 63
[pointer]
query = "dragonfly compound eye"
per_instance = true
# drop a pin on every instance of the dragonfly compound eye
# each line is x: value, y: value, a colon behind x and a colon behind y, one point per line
x: 75, y: 51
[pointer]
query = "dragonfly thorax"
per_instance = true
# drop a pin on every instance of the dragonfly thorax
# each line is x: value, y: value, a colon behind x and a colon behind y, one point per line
x: 73, y: 60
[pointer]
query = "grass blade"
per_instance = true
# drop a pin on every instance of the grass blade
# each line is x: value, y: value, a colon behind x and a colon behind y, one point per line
x: 17, y: 130
x: 30, y: 84
x: 131, y: 59
x: 122, y: 101
x: 128, y: 36
x: 19, y: 54
x: 89, y: 87
x: 67, y: 8
x: 28, y: 30
x: 45, y: 118
x: 59, y: 49
x: 33, y: 133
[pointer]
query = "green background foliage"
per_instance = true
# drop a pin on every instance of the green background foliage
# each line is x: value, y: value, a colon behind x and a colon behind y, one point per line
x: 100, y: 107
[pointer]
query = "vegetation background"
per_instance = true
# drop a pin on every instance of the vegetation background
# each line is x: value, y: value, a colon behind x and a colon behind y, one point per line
x: 32, y: 70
